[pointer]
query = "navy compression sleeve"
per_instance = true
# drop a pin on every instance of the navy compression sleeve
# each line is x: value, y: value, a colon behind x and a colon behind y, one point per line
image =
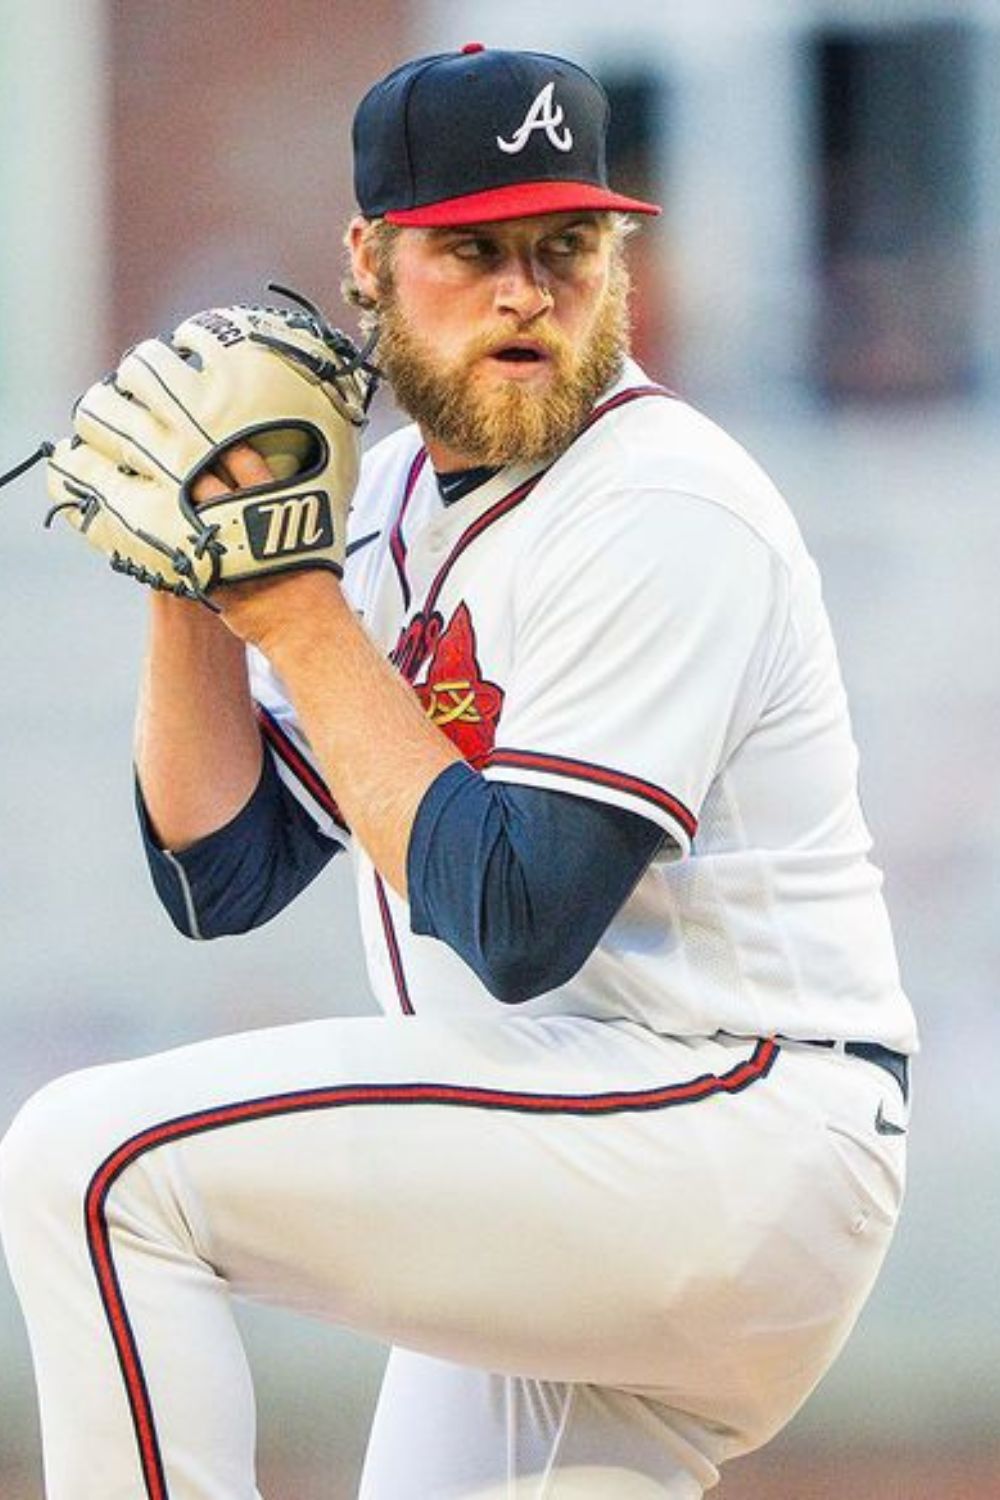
x: 520, y: 881
x: 244, y: 873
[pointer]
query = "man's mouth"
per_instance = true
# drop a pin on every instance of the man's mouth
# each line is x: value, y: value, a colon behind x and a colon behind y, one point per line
x: 521, y: 354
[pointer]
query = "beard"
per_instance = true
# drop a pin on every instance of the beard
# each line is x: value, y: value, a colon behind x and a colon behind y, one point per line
x: 506, y: 422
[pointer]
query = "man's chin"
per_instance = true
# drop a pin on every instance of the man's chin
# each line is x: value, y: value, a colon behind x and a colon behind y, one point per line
x: 513, y: 422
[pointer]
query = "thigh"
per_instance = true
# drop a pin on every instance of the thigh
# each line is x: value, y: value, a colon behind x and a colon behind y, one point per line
x: 550, y: 1198
x: 446, y: 1432
x: 540, y: 1197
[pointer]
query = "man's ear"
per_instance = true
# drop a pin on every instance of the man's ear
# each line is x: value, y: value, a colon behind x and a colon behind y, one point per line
x: 361, y: 249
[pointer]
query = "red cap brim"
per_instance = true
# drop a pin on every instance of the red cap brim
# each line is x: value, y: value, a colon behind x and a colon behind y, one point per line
x: 520, y: 200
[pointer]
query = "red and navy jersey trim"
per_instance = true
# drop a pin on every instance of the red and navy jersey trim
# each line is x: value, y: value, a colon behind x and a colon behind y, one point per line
x: 582, y: 770
x: 290, y: 756
x: 512, y: 500
x: 495, y: 513
x: 502, y: 507
x: 397, y: 542
x: 392, y: 945
x: 633, y: 393
x: 356, y: 1095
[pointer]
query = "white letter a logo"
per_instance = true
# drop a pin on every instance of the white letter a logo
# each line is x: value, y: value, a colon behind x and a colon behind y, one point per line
x: 546, y: 115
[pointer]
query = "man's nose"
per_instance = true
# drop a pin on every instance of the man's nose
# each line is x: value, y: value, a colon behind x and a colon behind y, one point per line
x: 523, y: 289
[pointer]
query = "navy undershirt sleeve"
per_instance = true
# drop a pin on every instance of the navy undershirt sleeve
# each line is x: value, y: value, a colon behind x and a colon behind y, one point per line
x: 520, y: 881
x: 244, y: 873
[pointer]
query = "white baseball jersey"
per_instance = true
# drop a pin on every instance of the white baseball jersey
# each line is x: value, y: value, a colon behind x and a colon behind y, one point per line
x: 641, y: 624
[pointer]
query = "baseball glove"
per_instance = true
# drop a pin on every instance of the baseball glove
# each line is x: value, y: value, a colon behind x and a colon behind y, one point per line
x: 281, y: 380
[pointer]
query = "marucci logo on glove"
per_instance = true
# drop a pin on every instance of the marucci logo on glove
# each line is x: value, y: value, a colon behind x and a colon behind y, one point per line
x: 301, y: 523
x: 224, y: 329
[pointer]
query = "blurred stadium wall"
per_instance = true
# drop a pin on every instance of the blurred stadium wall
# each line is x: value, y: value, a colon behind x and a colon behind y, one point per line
x: 825, y: 280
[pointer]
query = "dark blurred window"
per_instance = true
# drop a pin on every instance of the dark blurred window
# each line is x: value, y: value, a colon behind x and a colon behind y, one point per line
x: 894, y: 148
x: 636, y: 158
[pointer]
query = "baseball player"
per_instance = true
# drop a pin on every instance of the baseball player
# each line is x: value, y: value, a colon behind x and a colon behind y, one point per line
x: 617, y: 1169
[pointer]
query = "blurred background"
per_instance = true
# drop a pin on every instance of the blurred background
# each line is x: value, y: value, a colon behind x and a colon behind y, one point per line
x: 825, y: 280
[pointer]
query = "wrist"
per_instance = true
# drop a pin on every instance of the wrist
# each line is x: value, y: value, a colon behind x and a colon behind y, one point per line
x: 281, y: 613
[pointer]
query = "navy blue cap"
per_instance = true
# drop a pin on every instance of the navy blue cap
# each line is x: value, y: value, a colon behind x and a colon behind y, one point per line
x: 478, y: 135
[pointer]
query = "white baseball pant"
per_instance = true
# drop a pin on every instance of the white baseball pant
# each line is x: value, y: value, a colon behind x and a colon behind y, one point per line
x: 609, y: 1260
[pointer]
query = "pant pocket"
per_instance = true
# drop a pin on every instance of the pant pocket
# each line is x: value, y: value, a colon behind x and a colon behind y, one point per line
x: 874, y: 1171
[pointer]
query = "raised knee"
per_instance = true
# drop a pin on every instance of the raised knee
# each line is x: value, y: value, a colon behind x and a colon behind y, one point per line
x: 42, y: 1154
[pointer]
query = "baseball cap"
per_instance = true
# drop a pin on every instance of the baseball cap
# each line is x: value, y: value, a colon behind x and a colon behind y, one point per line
x: 482, y: 134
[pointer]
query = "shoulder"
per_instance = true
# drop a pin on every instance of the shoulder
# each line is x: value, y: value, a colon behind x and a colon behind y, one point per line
x: 645, y: 448
x: 385, y: 466
x: 389, y: 449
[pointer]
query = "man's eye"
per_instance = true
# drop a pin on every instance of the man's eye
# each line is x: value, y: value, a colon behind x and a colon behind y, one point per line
x: 563, y: 244
x: 473, y: 249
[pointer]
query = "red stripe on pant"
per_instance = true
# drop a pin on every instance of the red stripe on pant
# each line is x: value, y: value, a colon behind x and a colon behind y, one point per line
x: 707, y: 1085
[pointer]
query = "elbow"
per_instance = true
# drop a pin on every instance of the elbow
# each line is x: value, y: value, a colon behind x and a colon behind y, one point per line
x: 212, y: 921
x: 179, y: 922
x: 201, y: 922
x: 511, y: 989
x: 203, y: 930
x: 514, y: 975
x: 175, y: 896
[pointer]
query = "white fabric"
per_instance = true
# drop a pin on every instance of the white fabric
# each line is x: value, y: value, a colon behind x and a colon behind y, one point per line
x: 654, y: 1290
x: 655, y: 625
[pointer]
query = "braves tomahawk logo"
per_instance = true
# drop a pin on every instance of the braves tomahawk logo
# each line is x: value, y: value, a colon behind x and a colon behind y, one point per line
x: 544, y: 114
x: 456, y: 696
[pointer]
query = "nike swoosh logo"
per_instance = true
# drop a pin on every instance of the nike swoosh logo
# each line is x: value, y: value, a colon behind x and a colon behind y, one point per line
x: 362, y: 541
x: 886, y: 1127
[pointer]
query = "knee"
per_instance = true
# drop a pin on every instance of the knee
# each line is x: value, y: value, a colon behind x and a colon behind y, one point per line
x: 43, y: 1155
